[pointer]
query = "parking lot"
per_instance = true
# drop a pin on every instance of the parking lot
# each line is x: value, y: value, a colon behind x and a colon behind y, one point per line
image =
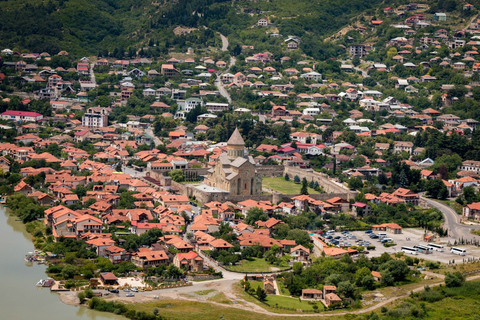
x: 408, y: 238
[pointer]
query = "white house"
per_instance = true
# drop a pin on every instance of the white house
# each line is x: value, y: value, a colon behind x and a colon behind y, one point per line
x: 311, y: 76
x: 311, y: 111
x: 21, y: 116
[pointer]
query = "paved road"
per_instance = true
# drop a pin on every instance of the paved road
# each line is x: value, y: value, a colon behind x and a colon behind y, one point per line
x: 218, y: 83
x: 452, y: 221
x: 156, y: 140
x: 224, y: 42
x: 222, y: 90
x: 92, y: 74
x: 364, y: 73
x: 469, y: 23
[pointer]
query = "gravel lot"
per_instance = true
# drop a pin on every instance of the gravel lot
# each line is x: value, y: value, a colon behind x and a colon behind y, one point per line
x: 411, y: 237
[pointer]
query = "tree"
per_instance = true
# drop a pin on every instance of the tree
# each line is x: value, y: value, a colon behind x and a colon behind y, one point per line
x: 398, y: 269
x: 355, y: 183
x: 368, y: 282
x: 436, y: 189
x: 391, y: 52
x: 347, y: 289
x: 271, y: 254
x: 403, y: 179
x: 333, y: 279
x: 455, y: 279
x: 469, y: 194
x: 356, y: 61
x: 287, y: 177
x: 261, y: 294
x: 255, y: 214
x: 304, y: 189
x: 300, y: 236
x: 360, y: 274
x: 177, y: 175
x: 443, y: 172
x: 296, y: 179
x: 69, y: 271
x: 297, y: 268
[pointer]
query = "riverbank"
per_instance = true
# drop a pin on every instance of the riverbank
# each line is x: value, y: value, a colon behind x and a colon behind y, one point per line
x: 21, y: 299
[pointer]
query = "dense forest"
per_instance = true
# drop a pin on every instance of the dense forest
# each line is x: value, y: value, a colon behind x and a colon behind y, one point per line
x: 90, y: 27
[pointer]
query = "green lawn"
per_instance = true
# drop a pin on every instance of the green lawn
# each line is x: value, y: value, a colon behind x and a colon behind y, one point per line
x: 279, y: 184
x: 292, y: 303
x: 283, y: 291
x: 278, y: 304
x: 255, y: 265
x: 190, y: 310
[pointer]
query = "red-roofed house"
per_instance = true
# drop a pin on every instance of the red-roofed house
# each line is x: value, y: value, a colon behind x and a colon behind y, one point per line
x: 21, y: 116
x: 472, y: 211
x: 190, y: 261
x: 145, y: 258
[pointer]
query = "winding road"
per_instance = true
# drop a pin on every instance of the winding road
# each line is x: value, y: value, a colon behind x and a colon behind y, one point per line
x: 456, y: 230
x: 218, y: 83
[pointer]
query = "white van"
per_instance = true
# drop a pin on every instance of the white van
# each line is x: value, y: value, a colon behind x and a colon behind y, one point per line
x: 459, y: 251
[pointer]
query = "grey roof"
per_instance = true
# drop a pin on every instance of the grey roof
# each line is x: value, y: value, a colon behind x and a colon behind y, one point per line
x: 231, y: 176
x: 236, y: 139
x: 238, y: 162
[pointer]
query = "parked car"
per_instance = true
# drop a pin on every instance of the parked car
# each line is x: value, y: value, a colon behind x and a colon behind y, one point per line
x: 126, y: 290
x: 130, y: 294
x: 368, y: 231
x: 114, y: 291
x: 134, y: 290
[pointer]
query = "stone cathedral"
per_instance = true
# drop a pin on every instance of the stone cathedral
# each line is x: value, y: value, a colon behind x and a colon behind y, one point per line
x: 234, y: 172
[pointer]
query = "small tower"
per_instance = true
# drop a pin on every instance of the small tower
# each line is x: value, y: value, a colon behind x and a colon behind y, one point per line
x: 235, y: 145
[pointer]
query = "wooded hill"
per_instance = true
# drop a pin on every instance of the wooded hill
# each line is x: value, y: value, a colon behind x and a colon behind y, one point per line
x: 101, y: 26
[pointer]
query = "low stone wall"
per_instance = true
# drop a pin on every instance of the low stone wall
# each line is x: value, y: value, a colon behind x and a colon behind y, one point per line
x: 323, y: 180
x: 271, y: 171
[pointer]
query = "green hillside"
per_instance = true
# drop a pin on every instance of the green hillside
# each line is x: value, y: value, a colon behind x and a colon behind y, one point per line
x: 100, y: 26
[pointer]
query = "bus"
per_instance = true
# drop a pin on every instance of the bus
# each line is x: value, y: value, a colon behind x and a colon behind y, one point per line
x: 423, y: 249
x: 436, y: 247
x: 459, y: 251
x: 409, y: 250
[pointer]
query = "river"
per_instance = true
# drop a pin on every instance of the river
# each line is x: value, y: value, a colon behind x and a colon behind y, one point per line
x: 20, y: 299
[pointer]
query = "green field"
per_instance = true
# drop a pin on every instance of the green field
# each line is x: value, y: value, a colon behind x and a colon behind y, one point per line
x: 292, y: 303
x: 278, y: 304
x: 255, y: 265
x: 190, y: 310
x: 279, y: 184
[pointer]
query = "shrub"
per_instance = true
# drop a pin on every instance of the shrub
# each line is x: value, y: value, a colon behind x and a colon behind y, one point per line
x: 81, y: 296
x: 455, y: 279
